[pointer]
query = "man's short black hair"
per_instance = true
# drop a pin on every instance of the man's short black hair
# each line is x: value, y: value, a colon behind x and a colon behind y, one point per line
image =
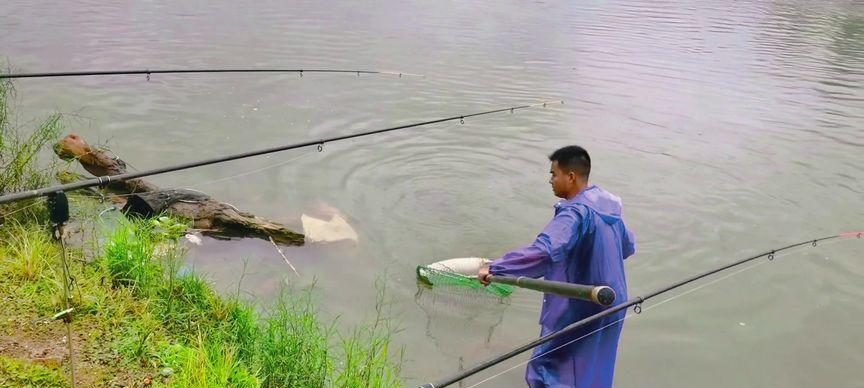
x: 573, y: 158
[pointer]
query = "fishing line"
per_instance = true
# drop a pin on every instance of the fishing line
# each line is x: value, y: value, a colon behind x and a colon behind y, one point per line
x: 249, y: 172
x: 644, y: 310
x: 204, y: 183
x: 619, y: 320
x: 208, y: 182
x: 636, y: 302
x: 198, y: 71
x: 105, y: 180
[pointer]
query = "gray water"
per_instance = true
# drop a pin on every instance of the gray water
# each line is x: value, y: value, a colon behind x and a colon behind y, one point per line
x: 728, y: 128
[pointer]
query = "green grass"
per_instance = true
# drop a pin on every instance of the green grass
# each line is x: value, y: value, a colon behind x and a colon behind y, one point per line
x: 15, y: 373
x: 208, y: 364
x: 145, y: 314
x: 129, y: 260
x: 293, y: 348
x: 33, y: 251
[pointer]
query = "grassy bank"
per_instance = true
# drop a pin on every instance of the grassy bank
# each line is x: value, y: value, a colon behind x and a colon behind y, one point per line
x: 141, y: 318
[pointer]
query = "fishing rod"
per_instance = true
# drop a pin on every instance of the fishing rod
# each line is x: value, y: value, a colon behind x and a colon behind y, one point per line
x: 636, y: 302
x: 602, y: 295
x: 148, y: 72
x: 107, y: 179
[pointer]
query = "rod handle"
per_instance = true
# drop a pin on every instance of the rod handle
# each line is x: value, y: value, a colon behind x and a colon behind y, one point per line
x: 602, y: 295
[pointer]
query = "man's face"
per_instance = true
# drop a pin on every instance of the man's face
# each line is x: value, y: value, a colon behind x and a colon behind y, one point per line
x: 562, y: 181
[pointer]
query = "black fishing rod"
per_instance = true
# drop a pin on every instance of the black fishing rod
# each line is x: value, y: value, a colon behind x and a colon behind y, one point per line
x: 636, y: 301
x: 196, y: 71
x: 105, y: 180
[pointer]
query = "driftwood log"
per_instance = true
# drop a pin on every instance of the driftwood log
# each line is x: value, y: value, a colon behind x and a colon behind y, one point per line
x: 139, y: 197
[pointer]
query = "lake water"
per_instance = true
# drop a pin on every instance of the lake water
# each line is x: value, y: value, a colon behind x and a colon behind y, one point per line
x: 727, y: 128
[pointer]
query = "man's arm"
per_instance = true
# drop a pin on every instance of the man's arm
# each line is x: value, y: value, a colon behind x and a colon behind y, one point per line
x: 629, y: 245
x: 554, y: 243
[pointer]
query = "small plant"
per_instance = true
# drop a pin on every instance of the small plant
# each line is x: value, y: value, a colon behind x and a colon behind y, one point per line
x: 29, y: 250
x: 242, y: 330
x: 366, y: 353
x: 188, y: 303
x: 19, y: 153
x: 129, y: 256
x: 169, y: 228
x: 208, y: 364
x: 293, y: 347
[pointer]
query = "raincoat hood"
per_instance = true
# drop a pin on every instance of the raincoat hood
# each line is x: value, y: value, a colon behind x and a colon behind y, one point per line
x: 604, y: 203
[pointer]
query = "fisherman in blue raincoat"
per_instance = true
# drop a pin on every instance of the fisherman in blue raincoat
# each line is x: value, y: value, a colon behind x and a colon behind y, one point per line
x: 585, y: 243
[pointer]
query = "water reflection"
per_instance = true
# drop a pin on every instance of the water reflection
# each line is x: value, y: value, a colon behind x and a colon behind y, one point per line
x: 454, y: 313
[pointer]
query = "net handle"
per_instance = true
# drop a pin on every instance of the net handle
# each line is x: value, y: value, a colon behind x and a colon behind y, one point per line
x: 601, y: 295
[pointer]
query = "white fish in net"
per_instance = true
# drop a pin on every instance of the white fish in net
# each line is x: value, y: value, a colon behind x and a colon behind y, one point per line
x: 465, y: 266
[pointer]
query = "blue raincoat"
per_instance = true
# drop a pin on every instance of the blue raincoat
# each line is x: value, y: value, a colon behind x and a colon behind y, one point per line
x: 585, y: 243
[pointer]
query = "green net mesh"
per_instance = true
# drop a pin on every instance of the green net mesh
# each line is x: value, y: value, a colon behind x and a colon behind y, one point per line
x: 435, y: 277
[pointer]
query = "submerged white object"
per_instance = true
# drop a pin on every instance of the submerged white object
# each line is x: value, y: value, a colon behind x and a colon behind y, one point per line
x: 336, y: 229
x: 193, y: 238
x: 467, y: 266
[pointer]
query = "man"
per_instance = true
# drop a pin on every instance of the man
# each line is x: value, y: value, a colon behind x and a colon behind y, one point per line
x: 585, y: 243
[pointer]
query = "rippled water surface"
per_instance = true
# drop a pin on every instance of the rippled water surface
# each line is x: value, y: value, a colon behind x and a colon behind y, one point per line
x: 727, y: 129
